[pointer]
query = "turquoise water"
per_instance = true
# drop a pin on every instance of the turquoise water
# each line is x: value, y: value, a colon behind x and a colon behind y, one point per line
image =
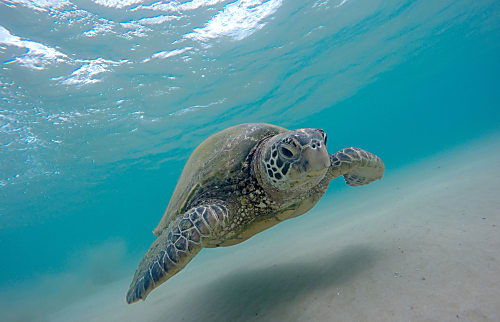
x: 103, y: 101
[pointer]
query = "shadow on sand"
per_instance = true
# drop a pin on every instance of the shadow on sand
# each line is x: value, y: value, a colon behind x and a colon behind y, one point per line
x: 253, y: 294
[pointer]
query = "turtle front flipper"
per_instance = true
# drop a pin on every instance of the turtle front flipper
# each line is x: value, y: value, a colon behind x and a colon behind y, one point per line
x: 358, y: 166
x: 176, y: 247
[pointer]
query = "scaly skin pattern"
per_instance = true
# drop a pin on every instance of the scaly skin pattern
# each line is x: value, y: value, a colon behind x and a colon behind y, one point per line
x: 359, y: 167
x: 176, y: 246
x: 233, y: 209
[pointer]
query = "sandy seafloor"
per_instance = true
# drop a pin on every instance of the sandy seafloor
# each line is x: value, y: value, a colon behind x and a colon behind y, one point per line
x: 423, y: 244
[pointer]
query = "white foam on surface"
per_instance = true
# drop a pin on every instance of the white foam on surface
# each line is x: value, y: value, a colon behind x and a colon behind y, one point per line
x: 37, y: 55
x: 157, y: 20
x: 176, y: 6
x: 341, y: 3
x: 138, y: 28
x: 117, y: 3
x: 86, y: 73
x: 103, y: 26
x: 168, y: 54
x: 197, y: 107
x: 40, y: 5
x: 237, y: 20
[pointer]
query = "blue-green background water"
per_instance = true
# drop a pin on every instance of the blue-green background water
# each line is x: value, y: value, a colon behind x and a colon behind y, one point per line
x: 103, y: 101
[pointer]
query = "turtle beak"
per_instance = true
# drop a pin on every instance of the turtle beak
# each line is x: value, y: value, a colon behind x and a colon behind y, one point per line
x: 314, y: 163
x: 315, y: 159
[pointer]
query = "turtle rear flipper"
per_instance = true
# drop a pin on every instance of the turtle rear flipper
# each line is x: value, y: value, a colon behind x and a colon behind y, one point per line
x: 175, y: 248
x: 359, y: 167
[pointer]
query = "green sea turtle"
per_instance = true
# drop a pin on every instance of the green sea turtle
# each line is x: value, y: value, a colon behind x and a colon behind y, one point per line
x: 239, y: 182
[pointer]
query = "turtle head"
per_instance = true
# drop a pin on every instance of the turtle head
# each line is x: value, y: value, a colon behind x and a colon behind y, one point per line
x: 295, y: 160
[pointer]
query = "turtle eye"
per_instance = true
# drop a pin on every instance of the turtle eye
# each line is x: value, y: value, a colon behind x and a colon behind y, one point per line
x: 287, y: 152
x: 324, y: 140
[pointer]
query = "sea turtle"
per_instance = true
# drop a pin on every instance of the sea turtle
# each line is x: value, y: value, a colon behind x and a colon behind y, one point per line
x: 239, y: 182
